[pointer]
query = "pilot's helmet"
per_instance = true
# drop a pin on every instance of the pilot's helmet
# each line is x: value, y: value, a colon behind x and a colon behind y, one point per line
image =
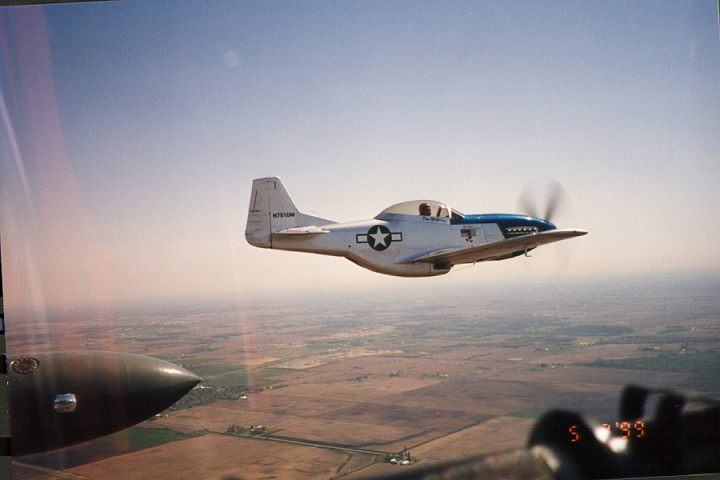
x: 424, y: 208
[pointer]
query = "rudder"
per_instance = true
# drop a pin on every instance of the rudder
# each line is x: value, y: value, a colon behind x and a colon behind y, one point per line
x: 270, y: 210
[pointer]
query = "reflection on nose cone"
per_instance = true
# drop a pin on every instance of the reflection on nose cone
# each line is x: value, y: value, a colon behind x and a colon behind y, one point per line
x: 60, y: 399
x: 154, y: 385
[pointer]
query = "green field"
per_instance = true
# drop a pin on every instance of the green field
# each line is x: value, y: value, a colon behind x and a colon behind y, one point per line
x: 141, y: 438
x: 667, y: 362
x: 703, y: 367
x: 193, y: 360
x: 234, y: 377
x: 531, y: 416
x: 209, y: 371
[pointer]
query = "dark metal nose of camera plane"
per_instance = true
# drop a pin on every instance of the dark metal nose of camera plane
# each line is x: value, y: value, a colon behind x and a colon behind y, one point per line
x: 63, y: 398
x: 154, y: 377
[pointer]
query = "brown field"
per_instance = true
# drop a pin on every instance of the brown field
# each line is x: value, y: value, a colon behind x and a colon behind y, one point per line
x: 357, y: 463
x: 349, y: 389
x: 349, y: 434
x: 497, y: 435
x: 218, y: 457
x: 271, y: 408
x: 593, y: 352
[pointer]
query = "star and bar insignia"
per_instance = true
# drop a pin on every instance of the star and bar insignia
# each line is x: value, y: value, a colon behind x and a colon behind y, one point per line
x: 379, y: 237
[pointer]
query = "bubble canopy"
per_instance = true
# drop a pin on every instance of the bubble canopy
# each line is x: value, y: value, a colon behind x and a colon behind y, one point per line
x: 418, y: 207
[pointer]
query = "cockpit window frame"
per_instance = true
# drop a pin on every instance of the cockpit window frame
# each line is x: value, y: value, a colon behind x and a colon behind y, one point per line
x: 456, y: 216
x: 438, y: 209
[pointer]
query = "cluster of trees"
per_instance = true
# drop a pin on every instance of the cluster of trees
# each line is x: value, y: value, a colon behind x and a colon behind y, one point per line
x: 241, y: 430
x: 402, y: 458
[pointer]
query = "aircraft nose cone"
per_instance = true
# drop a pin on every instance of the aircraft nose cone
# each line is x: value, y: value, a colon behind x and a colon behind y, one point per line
x: 151, y: 377
x: 63, y: 398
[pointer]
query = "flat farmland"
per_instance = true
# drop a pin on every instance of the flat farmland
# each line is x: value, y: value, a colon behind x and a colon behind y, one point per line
x: 265, y: 408
x: 350, y: 434
x: 358, y: 388
x: 579, y: 378
x: 218, y: 457
x: 496, y: 435
x: 378, y: 375
x: 379, y: 426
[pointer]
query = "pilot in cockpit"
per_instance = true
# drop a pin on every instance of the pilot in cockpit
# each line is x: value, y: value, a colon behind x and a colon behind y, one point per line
x: 425, y: 209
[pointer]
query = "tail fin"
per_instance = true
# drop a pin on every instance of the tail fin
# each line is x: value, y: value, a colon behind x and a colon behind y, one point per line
x: 272, y: 210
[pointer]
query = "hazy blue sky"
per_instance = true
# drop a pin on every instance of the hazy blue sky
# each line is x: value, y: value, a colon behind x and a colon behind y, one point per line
x: 132, y: 132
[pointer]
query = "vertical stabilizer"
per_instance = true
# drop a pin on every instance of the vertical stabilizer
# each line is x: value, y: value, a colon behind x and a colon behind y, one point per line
x: 271, y: 210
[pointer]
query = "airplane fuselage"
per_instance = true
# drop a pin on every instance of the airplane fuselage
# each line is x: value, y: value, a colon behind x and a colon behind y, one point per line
x: 384, y: 245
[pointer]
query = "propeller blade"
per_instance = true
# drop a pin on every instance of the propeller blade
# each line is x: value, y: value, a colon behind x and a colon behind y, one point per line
x: 548, y: 196
x: 526, y: 202
x: 547, y: 193
x: 557, y: 197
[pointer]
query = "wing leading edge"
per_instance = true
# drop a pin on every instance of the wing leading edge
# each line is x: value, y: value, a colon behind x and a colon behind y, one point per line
x: 495, y: 250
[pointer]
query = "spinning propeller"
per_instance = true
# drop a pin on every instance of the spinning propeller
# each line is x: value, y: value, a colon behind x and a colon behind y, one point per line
x: 547, y: 199
x: 545, y: 192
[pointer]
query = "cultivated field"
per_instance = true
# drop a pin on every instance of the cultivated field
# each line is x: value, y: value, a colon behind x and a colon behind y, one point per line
x: 219, y: 457
x: 291, y: 395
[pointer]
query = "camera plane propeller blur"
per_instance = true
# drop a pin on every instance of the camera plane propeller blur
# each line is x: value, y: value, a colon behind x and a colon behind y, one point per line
x: 418, y: 238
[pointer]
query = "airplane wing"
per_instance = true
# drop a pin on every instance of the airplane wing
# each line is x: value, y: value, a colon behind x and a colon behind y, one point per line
x: 495, y: 250
x: 295, y: 231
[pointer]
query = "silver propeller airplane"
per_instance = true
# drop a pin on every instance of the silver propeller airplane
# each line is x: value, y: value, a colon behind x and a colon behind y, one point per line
x: 419, y: 238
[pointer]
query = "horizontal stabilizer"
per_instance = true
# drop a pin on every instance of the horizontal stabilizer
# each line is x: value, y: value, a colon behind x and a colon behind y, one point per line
x: 495, y: 250
x: 295, y: 231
